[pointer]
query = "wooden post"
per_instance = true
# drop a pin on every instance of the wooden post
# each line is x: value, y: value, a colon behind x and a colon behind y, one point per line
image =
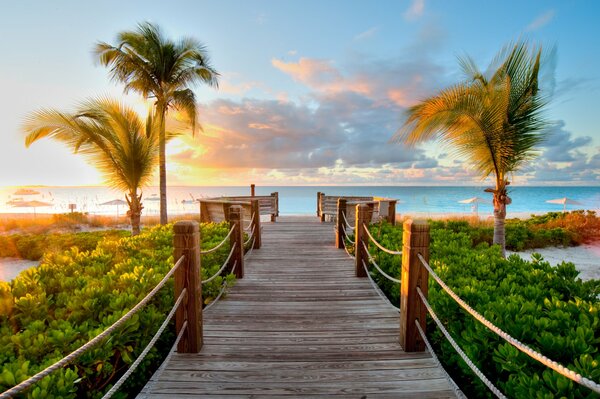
x: 318, y: 203
x: 363, y: 216
x: 256, y: 224
x: 415, y: 241
x: 204, y: 215
x: 237, y: 241
x: 392, y: 212
x: 186, y: 242
x: 252, y: 191
x: 341, y: 224
x: 275, y: 213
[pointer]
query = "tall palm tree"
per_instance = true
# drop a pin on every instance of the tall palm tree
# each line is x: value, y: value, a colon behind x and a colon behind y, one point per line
x: 157, y: 67
x: 120, y: 145
x: 493, y: 120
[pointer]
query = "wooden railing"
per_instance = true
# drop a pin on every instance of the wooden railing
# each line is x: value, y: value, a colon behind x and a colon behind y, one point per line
x: 219, y: 210
x: 414, y: 282
x: 268, y: 204
x: 382, y: 208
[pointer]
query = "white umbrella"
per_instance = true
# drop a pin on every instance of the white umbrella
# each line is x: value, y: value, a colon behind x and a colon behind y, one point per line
x: 31, y: 204
x: 564, y: 202
x: 475, y: 201
x: 116, y: 202
x: 26, y: 191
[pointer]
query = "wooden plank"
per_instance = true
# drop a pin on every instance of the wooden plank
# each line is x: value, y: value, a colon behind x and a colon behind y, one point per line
x: 299, y: 324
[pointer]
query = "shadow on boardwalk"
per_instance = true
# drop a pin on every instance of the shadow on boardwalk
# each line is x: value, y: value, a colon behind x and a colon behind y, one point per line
x: 300, y: 324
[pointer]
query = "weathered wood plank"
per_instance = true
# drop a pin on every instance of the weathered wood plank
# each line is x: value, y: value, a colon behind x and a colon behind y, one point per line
x: 299, y: 324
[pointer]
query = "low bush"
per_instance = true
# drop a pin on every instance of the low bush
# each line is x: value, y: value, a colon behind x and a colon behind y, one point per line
x: 51, y: 310
x: 548, y: 308
x: 34, y: 246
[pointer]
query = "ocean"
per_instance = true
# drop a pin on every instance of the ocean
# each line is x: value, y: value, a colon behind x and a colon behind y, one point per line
x: 298, y: 200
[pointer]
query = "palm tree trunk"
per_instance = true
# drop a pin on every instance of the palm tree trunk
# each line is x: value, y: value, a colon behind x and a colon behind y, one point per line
x: 162, y: 161
x: 499, y: 224
x: 135, y: 211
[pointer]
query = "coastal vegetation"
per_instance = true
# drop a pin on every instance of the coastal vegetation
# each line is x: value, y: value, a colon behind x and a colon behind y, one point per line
x: 548, y: 308
x: 51, y: 310
x: 492, y: 119
x: 116, y: 140
x: 157, y: 67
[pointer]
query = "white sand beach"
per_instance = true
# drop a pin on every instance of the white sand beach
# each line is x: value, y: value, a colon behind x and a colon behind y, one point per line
x: 11, y: 267
x: 585, y: 257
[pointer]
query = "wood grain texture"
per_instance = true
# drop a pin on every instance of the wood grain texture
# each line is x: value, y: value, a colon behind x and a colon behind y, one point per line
x: 299, y: 324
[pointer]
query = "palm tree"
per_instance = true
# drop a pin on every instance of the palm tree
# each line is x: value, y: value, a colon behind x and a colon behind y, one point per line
x: 159, y: 68
x: 120, y: 145
x: 493, y: 120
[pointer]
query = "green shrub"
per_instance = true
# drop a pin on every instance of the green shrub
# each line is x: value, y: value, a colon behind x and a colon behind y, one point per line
x: 51, y: 310
x: 34, y: 246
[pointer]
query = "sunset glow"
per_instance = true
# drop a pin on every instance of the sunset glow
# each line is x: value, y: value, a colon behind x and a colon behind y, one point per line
x: 295, y: 105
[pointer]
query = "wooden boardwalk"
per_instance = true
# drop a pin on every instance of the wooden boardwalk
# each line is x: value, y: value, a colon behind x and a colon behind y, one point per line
x: 299, y: 324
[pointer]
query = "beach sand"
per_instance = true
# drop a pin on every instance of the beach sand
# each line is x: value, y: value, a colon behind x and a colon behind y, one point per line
x: 585, y: 257
x: 11, y: 267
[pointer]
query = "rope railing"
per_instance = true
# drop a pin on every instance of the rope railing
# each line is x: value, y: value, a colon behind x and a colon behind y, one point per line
x: 372, y: 261
x: 576, y: 377
x: 162, y: 367
x: 348, y: 225
x: 146, y: 350
x: 377, y: 289
x: 220, y: 244
x: 93, y: 342
x: 251, y: 248
x: 457, y: 391
x: 250, y: 237
x: 218, y: 273
x: 384, y: 249
x: 223, y: 287
x: 457, y: 348
x: 251, y: 224
x: 346, y: 248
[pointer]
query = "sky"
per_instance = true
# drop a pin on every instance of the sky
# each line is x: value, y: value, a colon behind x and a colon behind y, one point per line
x: 311, y: 92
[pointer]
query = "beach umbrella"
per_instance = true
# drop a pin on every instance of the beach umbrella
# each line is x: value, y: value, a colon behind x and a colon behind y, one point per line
x: 475, y: 201
x: 564, y: 202
x: 26, y: 191
x: 114, y: 202
x: 31, y: 204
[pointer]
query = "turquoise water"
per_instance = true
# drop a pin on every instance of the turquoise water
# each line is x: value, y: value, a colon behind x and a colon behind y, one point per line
x: 302, y: 199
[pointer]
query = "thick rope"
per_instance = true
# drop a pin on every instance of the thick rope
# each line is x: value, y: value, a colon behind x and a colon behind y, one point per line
x: 223, y: 287
x: 93, y: 342
x: 562, y: 370
x: 348, y: 225
x: 218, y: 273
x: 346, y: 248
x: 147, y: 349
x: 457, y: 391
x: 250, y: 237
x: 251, y: 223
x: 250, y: 250
x: 220, y: 244
x: 377, y: 289
x: 372, y: 260
x: 162, y: 367
x: 458, y: 350
x: 389, y: 251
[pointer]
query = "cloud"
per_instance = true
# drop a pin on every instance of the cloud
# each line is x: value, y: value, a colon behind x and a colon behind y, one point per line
x: 541, y: 21
x: 367, y: 34
x: 415, y: 11
x: 560, y: 146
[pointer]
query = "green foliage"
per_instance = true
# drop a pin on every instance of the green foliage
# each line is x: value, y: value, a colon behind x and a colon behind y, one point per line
x: 34, y: 246
x: 53, y: 309
x: 548, y: 308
